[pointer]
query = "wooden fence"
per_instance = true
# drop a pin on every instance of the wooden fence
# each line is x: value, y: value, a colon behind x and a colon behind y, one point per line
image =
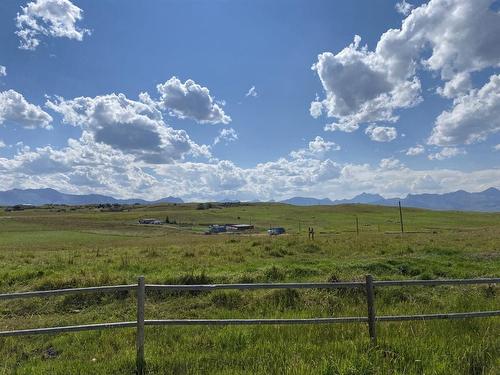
x: 141, y: 289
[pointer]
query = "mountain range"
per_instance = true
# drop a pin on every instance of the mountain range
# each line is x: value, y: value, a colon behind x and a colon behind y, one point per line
x: 487, y: 201
x: 50, y: 196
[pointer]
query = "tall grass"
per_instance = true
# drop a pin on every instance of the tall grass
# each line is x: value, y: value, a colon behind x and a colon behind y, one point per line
x: 45, y: 250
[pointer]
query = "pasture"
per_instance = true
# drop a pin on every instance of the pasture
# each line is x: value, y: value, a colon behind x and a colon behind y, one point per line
x: 51, y: 248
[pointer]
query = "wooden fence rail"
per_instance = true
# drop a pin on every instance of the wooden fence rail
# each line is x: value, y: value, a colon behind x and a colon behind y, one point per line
x: 142, y: 288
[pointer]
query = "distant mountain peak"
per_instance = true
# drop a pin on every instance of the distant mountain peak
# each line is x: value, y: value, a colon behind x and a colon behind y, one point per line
x: 491, y: 190
x: 460, y: 200
x: 52, y: 196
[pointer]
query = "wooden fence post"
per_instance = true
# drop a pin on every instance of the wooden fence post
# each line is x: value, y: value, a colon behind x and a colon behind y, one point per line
x: 401, y: 218
x: 141, y: 296
x: 370, y: 298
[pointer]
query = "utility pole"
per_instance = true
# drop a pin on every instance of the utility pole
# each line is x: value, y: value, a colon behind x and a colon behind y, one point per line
x: 401, y: 218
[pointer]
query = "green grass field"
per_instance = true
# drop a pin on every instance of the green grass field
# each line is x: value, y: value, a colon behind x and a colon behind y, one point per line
x: 46, y: 249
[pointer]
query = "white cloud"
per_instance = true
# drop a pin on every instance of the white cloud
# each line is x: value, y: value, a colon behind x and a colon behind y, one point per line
x: 414, y: 151
x: 318, y: 147
x: 361, y: 87
x: 86, y: 166
x: 54, y: 18
x: 458, y: 85
x: 473, y: 117
x: 496, y: 147
x: 2, y: 144
x: 390, y: 163
x: 14, y: 108
x: 252, y: 92
x: 190, y: 100
x: 446, y: 153
x: 404, y: 7
x: 3, y: 71
x: 227, y: 135
x: 462, y: 36
x: 381, y: 133
x: 133, y: 127
x: 451, y: 37
x: 316, y: 108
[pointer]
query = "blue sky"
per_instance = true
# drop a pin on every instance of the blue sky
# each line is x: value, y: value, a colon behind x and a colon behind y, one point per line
x: 414, y: 110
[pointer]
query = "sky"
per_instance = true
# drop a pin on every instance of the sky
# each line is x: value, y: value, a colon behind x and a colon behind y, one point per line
x: 250, y: 99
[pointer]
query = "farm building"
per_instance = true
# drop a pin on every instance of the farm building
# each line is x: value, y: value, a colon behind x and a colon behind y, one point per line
x: 238, y: 227
x: 150, y: 221
x: 20, y: 207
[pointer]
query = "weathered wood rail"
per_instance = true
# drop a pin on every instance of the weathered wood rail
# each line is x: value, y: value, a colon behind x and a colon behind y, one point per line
x: 141, y: 289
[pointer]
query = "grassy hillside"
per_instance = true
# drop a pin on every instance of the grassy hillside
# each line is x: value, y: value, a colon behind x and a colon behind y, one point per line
x: 45, y: 249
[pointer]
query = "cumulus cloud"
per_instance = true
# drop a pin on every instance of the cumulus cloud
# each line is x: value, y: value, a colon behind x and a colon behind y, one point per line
x: 133, y: 127
x: 361, y: 87
x: 318, y: 145
x: 390, y: 163
x: 414, y: 151
x: 16, y: 109
x: 86, y: 166
x: 53, y: 18
x: 453, y: 38
x: 381, y: 133
x: 446, y: 153
x: 226, y: 135
x: 496, y: 147
x: 2, y: 144
x: 3, y: 71
x: 473, y: 117
x: 316, y: 108
x: 462, y: 36
x: 252, y: 92
x: 458, y: 85
x: 316, y: 148
x: 404, y: 7
x: 190, y: 100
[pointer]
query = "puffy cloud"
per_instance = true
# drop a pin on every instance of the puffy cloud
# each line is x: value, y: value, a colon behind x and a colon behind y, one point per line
x: 318, y: 145
x: 3, y: 71
x: 86, y: 166
x: 414, y: 151
x: 252, y: 92
x: 2, y: 144
x: 54, y: 18
x: 190, y: 100
x: 316, y: 148
x: 462, y: 36
x: 446, y: 153
x: 458, y: 85
x: 316, y: 108
x: 473, y: 117
x: 133, y: 127
x: 451, y: 37
x: 14, y: 108
x: 227, y: 135
x: 496, y: 147
x: 381, y: 133
x: 361, y: 87
x: 403, y: 7
x: 390, y: 163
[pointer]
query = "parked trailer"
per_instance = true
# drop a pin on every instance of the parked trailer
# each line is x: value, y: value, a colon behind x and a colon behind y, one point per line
x: 276, y: 231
